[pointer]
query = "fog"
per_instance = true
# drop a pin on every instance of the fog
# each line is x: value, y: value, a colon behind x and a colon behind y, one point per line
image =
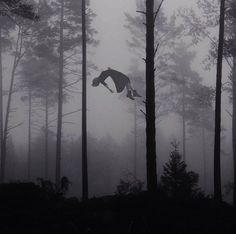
x: 111, y: 116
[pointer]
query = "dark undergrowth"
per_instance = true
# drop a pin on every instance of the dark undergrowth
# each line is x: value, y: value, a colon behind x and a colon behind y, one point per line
x: 29, y: 208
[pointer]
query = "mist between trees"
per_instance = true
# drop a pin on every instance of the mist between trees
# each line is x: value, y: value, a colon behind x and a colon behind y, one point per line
x: 46, y: 71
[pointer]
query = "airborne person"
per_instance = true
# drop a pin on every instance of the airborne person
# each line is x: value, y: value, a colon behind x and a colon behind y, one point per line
x: 120, y: 80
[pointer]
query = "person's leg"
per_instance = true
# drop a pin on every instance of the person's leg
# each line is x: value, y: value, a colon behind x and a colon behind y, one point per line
x: 129, y: 91
x: 133, y: 91
x: 129, y: 87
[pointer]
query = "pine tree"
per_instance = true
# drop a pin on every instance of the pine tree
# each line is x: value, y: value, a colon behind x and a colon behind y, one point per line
x: 198, y: 28
x: 176, y: 180
x: 182, y: 81
x: 20, y: 8
x: 38, y: 78
x: 217, y: 145
x: 166, y: 34
x: 84, y: 104
x: 150, y: 99
x: 11, y: 9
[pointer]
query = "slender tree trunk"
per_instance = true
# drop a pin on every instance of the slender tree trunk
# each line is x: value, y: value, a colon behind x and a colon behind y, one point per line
x: 204, y: 158
x: 84, y: 104
x: 234, y: 119
x: 29, y: 135
x: 184, y: 122
x: 1, y: 93
x: 234, y: 129
x: 135, y: 140
x: 46, y: 137
x: 217, y: 146
x: 60, y: 97
x: 150, y: 100
x: 8, y: 109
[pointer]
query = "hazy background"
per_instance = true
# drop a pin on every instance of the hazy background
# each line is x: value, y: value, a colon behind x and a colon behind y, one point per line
x: 109, y: 115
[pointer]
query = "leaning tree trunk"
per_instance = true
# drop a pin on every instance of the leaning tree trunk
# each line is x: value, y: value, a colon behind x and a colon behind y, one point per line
x: 217, y: 146
x: 60, y: 97
x: 84, y: 105
x: 150, y: 99
x: 234, y: 128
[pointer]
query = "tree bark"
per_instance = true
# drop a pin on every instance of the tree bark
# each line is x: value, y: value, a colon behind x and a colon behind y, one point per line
x: 217, y: 143
x: 150, y: 100
x: 84, y: 105
x: 60, y: 97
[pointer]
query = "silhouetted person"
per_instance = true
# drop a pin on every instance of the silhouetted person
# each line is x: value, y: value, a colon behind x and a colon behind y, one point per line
x: 120, y: 80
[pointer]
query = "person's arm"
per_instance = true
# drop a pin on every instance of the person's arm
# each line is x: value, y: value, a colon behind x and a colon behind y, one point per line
x: 103, y: 77
x: 106, y: 85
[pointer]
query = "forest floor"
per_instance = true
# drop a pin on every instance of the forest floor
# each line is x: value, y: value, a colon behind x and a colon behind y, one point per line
x: 27, y: 208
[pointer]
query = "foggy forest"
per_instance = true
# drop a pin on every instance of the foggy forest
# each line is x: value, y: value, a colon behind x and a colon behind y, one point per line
x: 118, y: 116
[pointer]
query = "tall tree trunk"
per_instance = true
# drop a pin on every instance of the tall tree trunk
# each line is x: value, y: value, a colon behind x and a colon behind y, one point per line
x: 234, y: 129
x: 217, y: 146
x: 29, y: 135
x: 84, y: 105
x: 135, y: 140
x: 1, y: 94
x: 234, y: 118
x: 46, y: 138
x: 204, y: 158
x: 150, y: 100
x: 184, y: 122
x: 8, y: 109
x: 60, y: 97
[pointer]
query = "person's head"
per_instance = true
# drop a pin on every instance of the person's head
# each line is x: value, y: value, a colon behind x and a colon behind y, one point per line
x: 96, y: 82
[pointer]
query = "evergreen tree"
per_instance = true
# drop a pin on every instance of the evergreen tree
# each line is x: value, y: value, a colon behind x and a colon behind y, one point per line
x: 201, y: 122
x: 176, y: 180
x: 217, y: 145
x: 38, y: 78
x: 9, y: 10
x: 17, y: 8
x: 21, y: 43
x: 166, y: 34
x: 225, y: 19
x: 57, y: 39
x: 183, y: 79
x: 6, y: 26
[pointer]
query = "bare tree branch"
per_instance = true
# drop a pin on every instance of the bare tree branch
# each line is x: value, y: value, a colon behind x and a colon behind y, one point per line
x: 15, y: 126
x: 157, y: 11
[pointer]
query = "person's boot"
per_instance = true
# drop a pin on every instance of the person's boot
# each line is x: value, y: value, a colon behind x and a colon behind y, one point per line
x: 129, y: 95
x: 135, y: 94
